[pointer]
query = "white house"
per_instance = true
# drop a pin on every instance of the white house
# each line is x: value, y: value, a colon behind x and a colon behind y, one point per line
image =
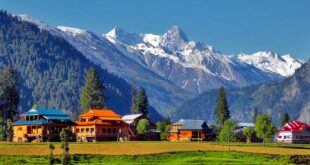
x: 294, y: 132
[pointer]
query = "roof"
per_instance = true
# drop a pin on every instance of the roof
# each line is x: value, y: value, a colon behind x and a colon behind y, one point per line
x: 104, y: 113
x: 57, y: 117
x: 33, y: 122
x: 40, y: 122
x: 45, y: 112
x: 95, y: 122
x: 131, y: 117
x: 246, y: 125
x: 295, y: 126
x: 192, y: 124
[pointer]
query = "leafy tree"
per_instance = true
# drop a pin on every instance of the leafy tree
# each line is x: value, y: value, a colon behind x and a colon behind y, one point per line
x: 163, y: 127
x: 254, y: 114
x: 221, y: 110
x: 9, y: 97
x: 285, y: 118
x: 141, y: 102
x: 92, y: 95
x: 249, y: 132
x: 143, y: 127
x: 66, y: 136
x: 264, y: 127
x: 51, y: 155
x: 227, y: 132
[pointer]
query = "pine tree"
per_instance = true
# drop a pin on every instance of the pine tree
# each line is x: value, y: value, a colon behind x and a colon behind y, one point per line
x: 285, y: 118
x: 141, y: 102
x: 9, y: 100
x: 254, y: 114
x: 92, y: 96
x: 221, y: 110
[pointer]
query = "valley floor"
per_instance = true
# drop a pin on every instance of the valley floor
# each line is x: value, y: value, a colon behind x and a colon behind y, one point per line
x: 158, y: 153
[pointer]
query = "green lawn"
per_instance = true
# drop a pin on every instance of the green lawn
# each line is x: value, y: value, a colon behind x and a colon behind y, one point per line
x: 197, y: 157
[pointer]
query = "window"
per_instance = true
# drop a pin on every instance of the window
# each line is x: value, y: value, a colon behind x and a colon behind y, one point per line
x: 19, y: 128
x: 87, y: 129
x: 104, y: 130
x: 109, y: 130
x: 92, y: 130
x: 77, y: 130
x: 114, y: 130
x: 82, y: 129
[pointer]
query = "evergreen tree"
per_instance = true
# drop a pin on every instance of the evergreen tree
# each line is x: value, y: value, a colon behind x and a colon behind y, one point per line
x: 285, y: 118
x: 221, y: 110
x: 254, y: 114
x: 66, y: 136
x: 9, y: 101
x: 141, y: 102
x: 92, y: 96
x: 51, y: 147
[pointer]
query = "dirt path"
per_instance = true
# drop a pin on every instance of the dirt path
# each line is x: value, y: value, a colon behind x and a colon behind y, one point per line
x: 135, y: 148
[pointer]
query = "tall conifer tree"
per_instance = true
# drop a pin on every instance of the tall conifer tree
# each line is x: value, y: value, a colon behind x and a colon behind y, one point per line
x: 9, y: 100
x: 254, y: 114
x: 221, y: 110
x: 285, y: 118
x: 92, y: 96
x: 141, y: 102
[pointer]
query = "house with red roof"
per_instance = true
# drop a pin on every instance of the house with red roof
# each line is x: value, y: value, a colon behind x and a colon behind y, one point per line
x: 100, y: 125
x: 294, y: 132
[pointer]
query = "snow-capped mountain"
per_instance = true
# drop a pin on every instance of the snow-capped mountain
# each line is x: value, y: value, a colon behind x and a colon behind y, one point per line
x: 171, y: 67
x: 284, y: 65
x: 191, y: 65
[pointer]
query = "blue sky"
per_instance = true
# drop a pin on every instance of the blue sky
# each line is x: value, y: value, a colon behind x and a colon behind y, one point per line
x: 231, y: 26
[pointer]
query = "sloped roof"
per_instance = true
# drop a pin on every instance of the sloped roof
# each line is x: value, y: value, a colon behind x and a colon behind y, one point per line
x: 295, y: 126
x: 96, y: 122
x: 131, y: 117
x: 246, y: 125
x: 33, y: 122
x: 45, y: 112
x: 192, y: 124
x: 105, y: 113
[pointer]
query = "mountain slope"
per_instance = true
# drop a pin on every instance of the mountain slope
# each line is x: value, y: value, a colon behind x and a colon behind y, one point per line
x: 284, y: 65
x: 192, y: 66
x: 50, y: 70
x: 290, y: 95
x: 172, y: 68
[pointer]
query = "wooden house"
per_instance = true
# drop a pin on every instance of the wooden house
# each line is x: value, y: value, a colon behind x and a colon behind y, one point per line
x: 188, y: 130
x: 100, y: 125
x: 40, y: 125
x: 132, y: 120
x: 294, y: 132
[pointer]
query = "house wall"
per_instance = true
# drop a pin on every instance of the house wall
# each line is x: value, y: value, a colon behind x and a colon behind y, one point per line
x: 19, y: 133
x: 99, y: 133
x: 294, y: 137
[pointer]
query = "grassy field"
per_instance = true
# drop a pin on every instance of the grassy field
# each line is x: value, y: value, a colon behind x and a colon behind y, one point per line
x: 174, y: 158
x: 158, y: 153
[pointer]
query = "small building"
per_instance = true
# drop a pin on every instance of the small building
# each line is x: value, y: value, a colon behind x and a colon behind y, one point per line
x: 189, y: 130
x: 294, y: 132
x: 100, y: 125
x: 40, y: 125
x: 133, y: 120
x: 241, y: 137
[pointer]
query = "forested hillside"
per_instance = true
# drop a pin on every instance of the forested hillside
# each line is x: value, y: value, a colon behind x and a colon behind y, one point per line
x: 290, y: 95
x: 50, y: 70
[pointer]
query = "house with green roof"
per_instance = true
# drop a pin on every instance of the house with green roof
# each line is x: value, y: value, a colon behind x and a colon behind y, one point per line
x: 40, y: 125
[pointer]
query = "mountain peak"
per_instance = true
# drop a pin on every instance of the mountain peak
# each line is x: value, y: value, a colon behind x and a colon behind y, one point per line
x: 126, y: 37
x: 174, y: 38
